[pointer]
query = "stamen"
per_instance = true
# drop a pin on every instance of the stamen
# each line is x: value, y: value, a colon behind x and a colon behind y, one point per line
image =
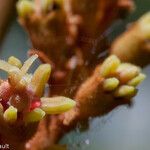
x: 15, y: 61
x: 34, y: 116
x: 56, y: 105
x: 28, y: 64
x: 137, y: 80
x: 10, y: 115
x: 127, y: 72
x: 25, y: 8
x: 110, y: 65
x: 144, y: 23
x: 7, y: 67
x: 125, y: 91
x: 110, y: 84
x: 40, y: 78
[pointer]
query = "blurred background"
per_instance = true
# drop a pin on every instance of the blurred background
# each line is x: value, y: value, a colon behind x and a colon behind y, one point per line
x: 125, y: 128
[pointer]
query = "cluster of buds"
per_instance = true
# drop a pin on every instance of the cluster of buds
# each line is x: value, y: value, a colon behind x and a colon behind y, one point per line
x: 113, y: 83
x: 21, y: 95
x: 122, y: 78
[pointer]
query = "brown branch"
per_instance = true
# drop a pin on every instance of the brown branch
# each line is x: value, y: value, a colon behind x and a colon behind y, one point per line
x: 92, y: 99
x: 133, y: 45
x: 7, y: 10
